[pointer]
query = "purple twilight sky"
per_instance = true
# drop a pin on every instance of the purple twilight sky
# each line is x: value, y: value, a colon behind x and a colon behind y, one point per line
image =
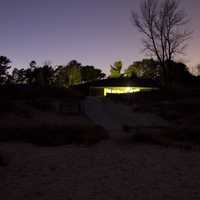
x: 95, y: 32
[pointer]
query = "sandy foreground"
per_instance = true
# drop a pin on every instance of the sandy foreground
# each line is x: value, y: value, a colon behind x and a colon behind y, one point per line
x: 108, y: 170
x: 116, y: 169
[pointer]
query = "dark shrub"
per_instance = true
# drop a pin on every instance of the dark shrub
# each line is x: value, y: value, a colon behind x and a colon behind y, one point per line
x: 42, y: 104
x: 55, y: 135
x: 6, y: 106
x: 3, y: 160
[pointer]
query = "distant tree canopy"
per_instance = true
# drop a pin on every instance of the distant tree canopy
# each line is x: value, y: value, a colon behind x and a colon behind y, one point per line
x: 61, y: 76
x: 19, y: 76
x: 68, y: 75
x: 75, y: 73
x: 38, y: 76
x: 73, y: 70
x: 4, y: 66
x: 198, y: 70
x: 44, y: 75
x: 150, y: 69
x: 178, y: 72
x: 145, y: 69
x: 115, y: 70
x: 89, y: 73
x: 33, y: 64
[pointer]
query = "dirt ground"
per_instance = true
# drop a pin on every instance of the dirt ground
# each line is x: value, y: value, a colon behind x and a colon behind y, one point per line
x: 108, y: 170
x: 122, y: 167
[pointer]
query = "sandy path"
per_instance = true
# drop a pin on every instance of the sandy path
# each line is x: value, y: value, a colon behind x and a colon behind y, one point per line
x: 104, y: 171
x: 113, y: 116
x: 97, y: 111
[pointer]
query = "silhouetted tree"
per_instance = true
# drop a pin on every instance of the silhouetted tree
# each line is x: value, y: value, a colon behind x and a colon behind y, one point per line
x: 145, y: 69
x: 89, y: 73
x: 19, y: 76
x: 68, y: 75
x: 74, y: 72
x: 198, y: 70
x: 61, y: 77
x: 33, y: 64
x: 162, y: 25
x: 178, y: 72
x: 4, y: 66
x: 34, y: 75
x: 31, y: 73
x: 44, y: 76
x: 115, y: 71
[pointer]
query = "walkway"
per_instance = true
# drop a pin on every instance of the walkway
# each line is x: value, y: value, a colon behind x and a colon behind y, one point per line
x: 113, y: 116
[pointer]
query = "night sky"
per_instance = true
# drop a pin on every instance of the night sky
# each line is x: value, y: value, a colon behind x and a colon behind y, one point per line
x: 95, y: 32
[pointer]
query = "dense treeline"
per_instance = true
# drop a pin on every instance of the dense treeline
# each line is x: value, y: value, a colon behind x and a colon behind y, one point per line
x: 75, y: 73
x: 60, y: 76
x: 178, y: 73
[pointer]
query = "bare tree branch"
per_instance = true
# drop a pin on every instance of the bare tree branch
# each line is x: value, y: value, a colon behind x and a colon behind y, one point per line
x: 162, y: 25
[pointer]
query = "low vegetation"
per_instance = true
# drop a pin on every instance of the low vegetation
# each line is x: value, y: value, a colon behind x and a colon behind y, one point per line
x: 186, y: 139
x: 180, y: 109
x: 45, y: 117
x: 54, y: 135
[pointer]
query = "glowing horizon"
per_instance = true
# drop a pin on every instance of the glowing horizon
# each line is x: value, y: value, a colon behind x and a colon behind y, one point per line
x: 93, y: 32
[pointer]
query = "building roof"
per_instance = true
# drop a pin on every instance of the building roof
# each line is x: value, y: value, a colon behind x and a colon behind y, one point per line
x: 124, y: 82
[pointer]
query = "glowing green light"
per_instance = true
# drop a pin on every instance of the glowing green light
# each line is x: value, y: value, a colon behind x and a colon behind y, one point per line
x: 121, y: 90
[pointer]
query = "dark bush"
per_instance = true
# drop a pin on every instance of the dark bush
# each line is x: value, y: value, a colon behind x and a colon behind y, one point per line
x: 6, y: 106
x: 42, y: 104
x: 54, y: 136
x: 3, y: 160
x: 183, y: 138
x: 26, y: 92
